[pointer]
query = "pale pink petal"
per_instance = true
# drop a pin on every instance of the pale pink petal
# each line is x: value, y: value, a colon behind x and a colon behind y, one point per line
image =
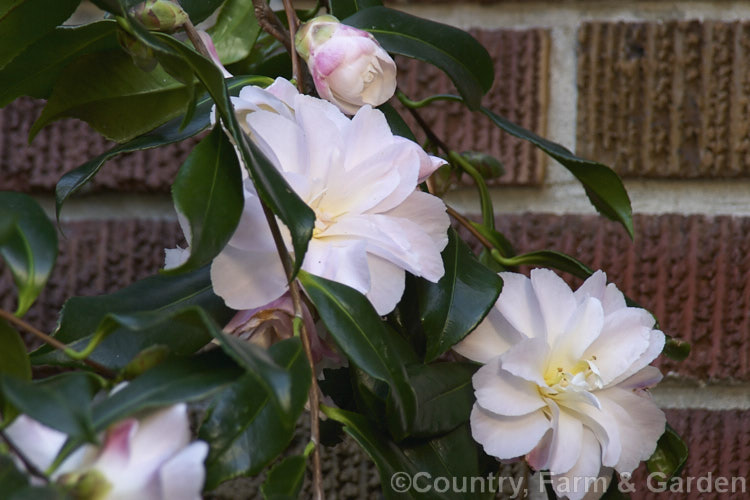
x: 655, y: 347
x: 283, y: 90
x: 519, y: 304
x: 490, y: 339
x: 640, y: 424
x: 368, y: 134
x: 182, y: 476
x: 582, y: 330
x: 284, y: 138
x: 566, y: 442
x: 502, y: 393
x: 248, y: 279
x: 507, y: 437
x: 602, y: 424
x: 649, y: 376
x: 594, y: 286
x: 556, y: 301
x: 428, y: 212
x: 528, y: 359
x: 575, y: 483
x: 387, y: 282
x: 161, y: 434
x: 38, y: 442
x: 341, y: 260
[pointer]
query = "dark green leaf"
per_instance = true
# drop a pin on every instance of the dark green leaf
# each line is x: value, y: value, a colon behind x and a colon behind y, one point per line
x: 145, y: 302
x: 603, y: 186
x: 613, y: 492
x: 119, y: 100
x: 456, y: 304
x: 445, y: 396
x: 208, y: 193
x: 453, y: 455
x: 272, y: 188
x: 28, y: 244
x: 670, y: 455
x: 235, y: 31
x: 452, y: 50
x: 553, y: 259
x: 13, y: 361
x: 345, y: 8
x: 199, y: 10
x: 275, y: 380
x: 396, y: 122
x: 36, y: 69
x: 62, y: 402
x: 362, y: 336
x: 41, y: 493
x: 268, y: 57
x: 11, y: 479
x: 22, y: 22
x: 244, y: 429
x: 170, y: 132
x: 676, y: 349
x: 284, y: 481
x: 174, y: 381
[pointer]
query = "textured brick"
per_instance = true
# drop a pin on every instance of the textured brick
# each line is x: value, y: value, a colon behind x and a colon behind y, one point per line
x: 719, y: 445
x: 665, y: 99
x: 96, y: 257
x: 66, y: 144
x: 692, y: 272
x: 519, y: 94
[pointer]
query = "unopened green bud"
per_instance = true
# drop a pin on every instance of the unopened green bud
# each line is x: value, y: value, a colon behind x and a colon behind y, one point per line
x: 142, y: 55
x: 488, y: 166
x: 88, y: 485
x: 314, y: 33
x: 160, y: 15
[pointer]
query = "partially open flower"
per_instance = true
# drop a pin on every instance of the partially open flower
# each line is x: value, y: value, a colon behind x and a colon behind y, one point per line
x: 348, y: 66
x: 372, y: 223
x: 141, y: 459
x: 563, y: 379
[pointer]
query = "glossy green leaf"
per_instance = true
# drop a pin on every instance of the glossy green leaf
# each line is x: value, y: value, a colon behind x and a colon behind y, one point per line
x: 452, y: 50
x: 456, y: 304
x: 272, y: 188
x: 603, y: 186
x: 199, y: 10
x: 244, y: 428
x: 362, y: 336
x: 284, y: 480
x: 396, y: 122
x: 41, y: 493
x: 553, y: 259
x: 670, y: 455
x: 445, y: 396
x: 62, y: 402
x: 146, y: 301
x: 28, y: 245
x: 345, y: 8
x: 13, y: 361
x: 11, y: 479
x: 208, y: 193
x: 36, y: 69
x: 171, y: 132
x: 22, y: 22
x: 453, y: 455
x: 235, y: 31
x: 119, y: 100
x: 268, y: 57
x: 174, y: 381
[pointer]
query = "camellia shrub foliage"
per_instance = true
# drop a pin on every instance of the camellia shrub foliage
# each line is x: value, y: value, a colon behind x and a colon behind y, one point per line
x: 321, y: 280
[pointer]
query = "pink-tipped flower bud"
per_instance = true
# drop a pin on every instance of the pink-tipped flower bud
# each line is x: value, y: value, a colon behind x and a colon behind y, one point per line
x: 349, y: 67
x: 160, y: 15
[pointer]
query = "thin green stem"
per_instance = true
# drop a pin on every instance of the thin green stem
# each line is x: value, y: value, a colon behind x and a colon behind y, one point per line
x: 488, y: 212
x: 427, y: 101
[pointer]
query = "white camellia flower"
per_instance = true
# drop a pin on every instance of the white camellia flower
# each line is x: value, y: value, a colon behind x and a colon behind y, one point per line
x: 141, y: 459
x: 348, y: 66
x: 563, y: 379
x: 372, y: 224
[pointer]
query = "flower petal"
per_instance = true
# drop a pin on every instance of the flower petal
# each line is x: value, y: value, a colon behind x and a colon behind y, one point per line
x: 601, y: 423
x: 566, y: 444
x: 656, y: 345
x: 507, y: 437
x: 38, y: 442
x: 490, y: 339
x: 640, y: 424
x: 183, y: 475
x: 428, y: 212
x: 339, y: 259
x: 387, y: 283
x: 502, y: 393
x: 519, y: 304
x: 248, y: 279
x: 582, y: 330
x: 556, y: 301
x: 528, y: 359
x: 583, y: 476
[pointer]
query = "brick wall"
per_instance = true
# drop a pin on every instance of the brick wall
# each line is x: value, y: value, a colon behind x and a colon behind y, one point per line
x: 660, y: 90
